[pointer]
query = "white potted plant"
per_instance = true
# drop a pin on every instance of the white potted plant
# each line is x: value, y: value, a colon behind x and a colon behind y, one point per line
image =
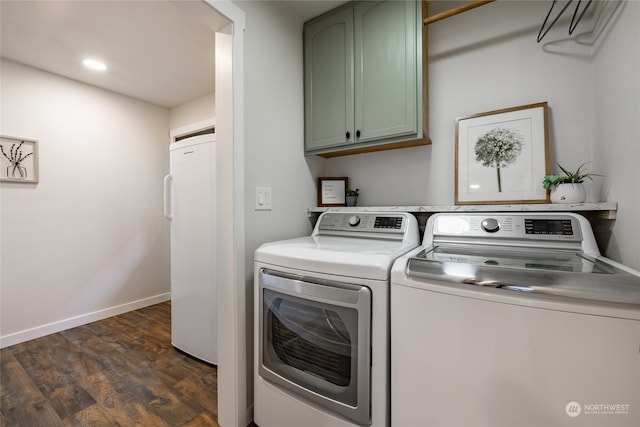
x: 568, y: 188
x: 352, y: 196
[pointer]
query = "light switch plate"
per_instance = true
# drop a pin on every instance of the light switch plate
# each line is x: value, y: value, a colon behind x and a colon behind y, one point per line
x: 263, y: 199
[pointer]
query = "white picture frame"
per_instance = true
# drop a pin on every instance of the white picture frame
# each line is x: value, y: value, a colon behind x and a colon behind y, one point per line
x: 18, y: 160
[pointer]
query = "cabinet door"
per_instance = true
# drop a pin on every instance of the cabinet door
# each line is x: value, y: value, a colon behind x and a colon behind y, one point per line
x: 386, y: 69
x: 328, y: 70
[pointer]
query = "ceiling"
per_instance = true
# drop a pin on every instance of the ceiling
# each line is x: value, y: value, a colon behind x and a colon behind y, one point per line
x: 159, y: 51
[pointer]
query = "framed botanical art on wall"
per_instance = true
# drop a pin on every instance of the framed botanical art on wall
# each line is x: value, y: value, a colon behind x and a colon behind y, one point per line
x: 18, y: 159
x: 502, y: 156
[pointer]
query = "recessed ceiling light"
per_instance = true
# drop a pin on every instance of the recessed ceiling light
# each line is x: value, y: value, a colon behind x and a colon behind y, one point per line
x: 94, y: 64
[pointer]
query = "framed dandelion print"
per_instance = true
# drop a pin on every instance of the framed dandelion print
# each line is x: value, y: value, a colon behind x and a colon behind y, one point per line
x: 502, y: 156
x: 18, y: 159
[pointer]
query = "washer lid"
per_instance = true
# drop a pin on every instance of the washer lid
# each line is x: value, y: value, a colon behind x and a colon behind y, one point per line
x: 340, y: 256
x: 554, y: 272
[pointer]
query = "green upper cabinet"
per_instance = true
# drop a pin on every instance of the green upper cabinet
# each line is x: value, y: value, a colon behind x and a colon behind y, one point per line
x: 363, y: 78
x: 328, y: 80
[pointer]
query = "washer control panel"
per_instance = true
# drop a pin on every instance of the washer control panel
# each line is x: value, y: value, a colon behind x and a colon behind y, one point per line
x: 521, y: 226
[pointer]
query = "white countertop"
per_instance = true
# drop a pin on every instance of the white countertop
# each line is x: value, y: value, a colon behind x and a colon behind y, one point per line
x: 606, y: 210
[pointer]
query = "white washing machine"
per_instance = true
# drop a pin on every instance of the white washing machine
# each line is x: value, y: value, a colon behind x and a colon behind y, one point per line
x: 503, y: 320
x: 322, y: 321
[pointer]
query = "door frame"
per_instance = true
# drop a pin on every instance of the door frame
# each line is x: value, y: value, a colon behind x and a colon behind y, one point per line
x: 230, y: 276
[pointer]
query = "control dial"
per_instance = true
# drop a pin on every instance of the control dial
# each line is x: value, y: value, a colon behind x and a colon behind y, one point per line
x: 354, y: 220
x: 490, y: 225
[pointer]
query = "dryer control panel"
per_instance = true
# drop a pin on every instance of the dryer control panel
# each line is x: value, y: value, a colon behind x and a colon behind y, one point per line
x: 366, y: 224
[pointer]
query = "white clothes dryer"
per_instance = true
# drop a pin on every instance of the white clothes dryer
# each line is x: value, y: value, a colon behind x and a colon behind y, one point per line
x: 322, y: 321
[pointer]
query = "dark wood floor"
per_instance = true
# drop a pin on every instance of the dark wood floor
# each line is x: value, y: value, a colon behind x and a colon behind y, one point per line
x: 118, y: 371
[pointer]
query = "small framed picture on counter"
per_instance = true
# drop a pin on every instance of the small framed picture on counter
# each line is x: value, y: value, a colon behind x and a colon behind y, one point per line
x: 332, y: 191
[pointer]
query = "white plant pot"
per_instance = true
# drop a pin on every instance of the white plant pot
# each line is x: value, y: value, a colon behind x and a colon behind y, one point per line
x: 568, y: 193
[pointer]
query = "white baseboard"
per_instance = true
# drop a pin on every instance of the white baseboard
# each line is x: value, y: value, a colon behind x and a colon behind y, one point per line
x: 83, y: 319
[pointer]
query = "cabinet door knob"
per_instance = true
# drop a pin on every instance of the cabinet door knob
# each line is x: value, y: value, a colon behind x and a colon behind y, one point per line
x: 358, y: 133
x: 348, y: 135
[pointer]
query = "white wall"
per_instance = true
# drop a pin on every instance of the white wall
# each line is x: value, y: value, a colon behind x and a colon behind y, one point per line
x: 487, y: 59
x: 274, y: 152
x: 273, y: 138
x: 196, y: 110
x: 89, y: 240
x: 616, y: 128
x: 274, y: 132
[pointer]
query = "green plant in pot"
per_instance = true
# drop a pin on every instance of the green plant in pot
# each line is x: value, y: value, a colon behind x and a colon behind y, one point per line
x: 568, y: 188
x: 352, y: 196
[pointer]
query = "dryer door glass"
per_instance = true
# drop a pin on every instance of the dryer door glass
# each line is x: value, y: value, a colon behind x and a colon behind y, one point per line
x: 312, y: 339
